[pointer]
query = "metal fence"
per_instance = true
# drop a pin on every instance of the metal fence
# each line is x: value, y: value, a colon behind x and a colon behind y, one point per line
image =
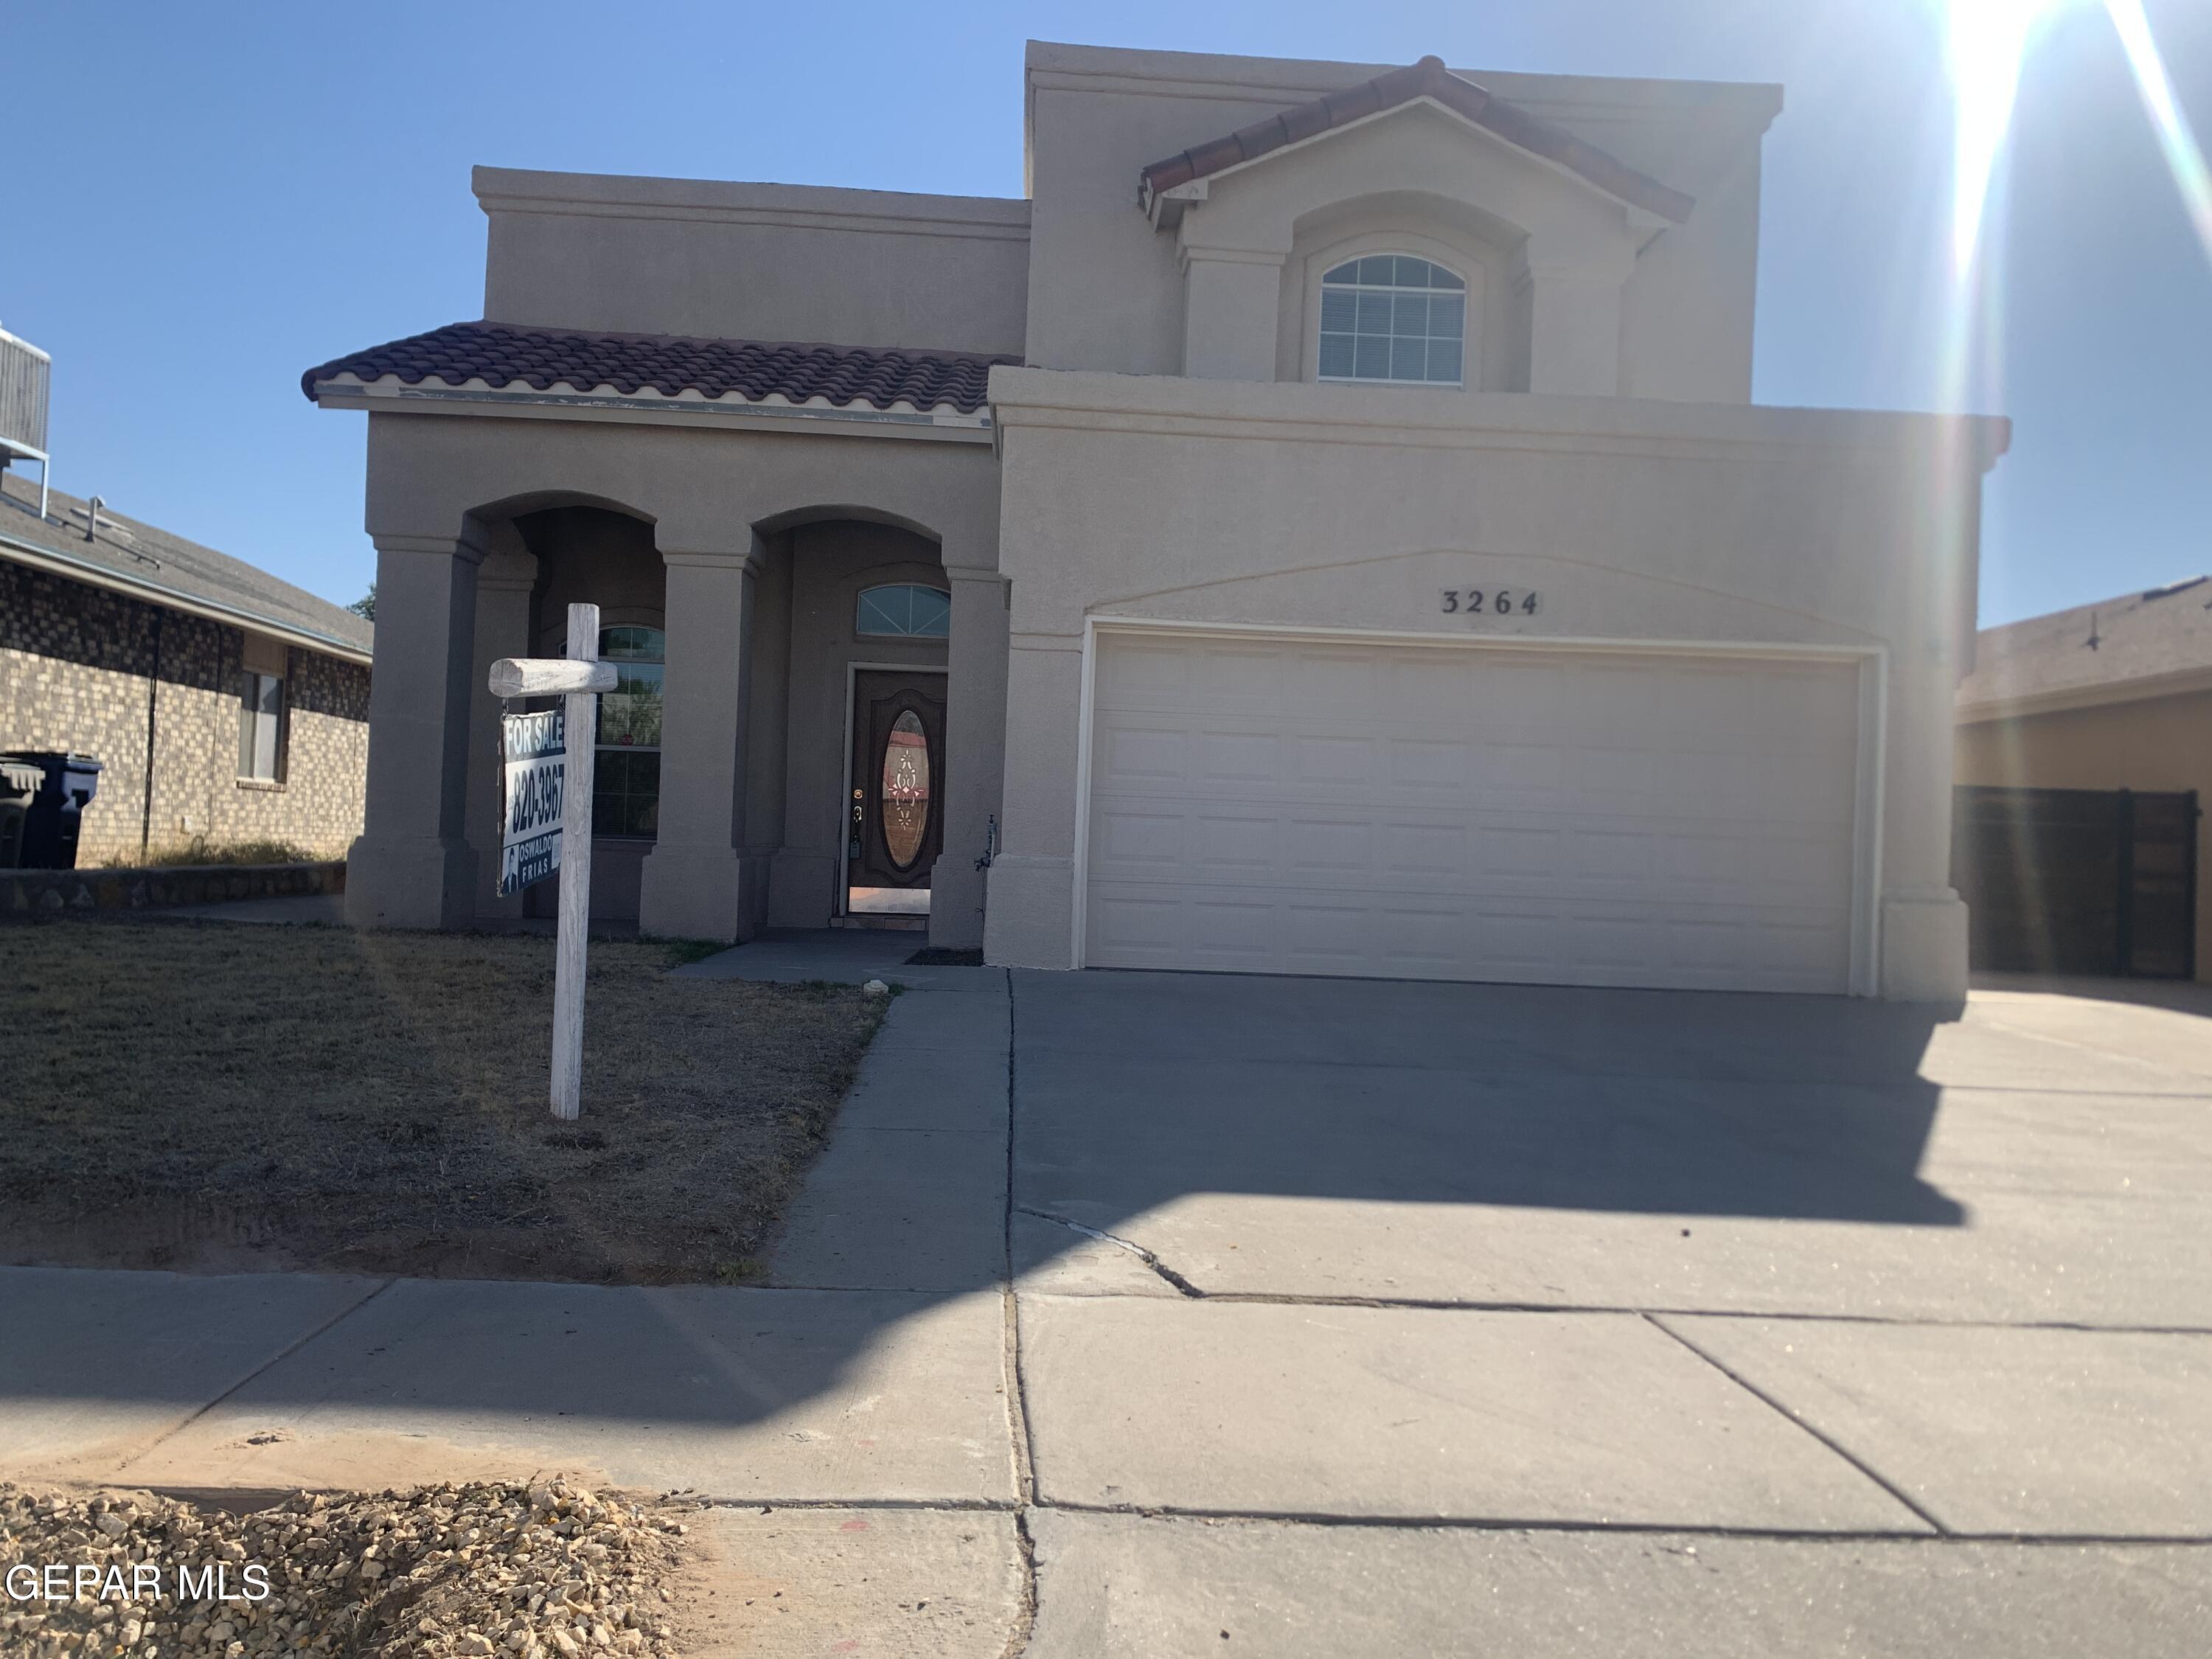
x: 2078, y: 881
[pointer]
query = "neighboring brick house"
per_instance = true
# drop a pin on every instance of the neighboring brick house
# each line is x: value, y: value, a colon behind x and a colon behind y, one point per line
x: 221, y: 703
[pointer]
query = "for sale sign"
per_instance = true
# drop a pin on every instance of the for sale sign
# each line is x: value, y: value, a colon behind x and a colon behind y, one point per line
x: 536, y: 751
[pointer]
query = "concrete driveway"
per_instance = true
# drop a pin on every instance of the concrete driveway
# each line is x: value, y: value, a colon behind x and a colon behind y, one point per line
x: 1475, y: 1291
x: 2045, y: 1159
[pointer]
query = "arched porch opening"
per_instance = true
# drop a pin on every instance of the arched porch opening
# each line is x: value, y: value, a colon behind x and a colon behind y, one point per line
x: 852, y: 620
x: 543, y: 552
x: 588, y: 553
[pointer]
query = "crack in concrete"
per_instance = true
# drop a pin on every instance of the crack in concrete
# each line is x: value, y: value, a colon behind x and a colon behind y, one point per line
x: 1017, y: 1421
x: 1147, y: 1257
x: 1679, y: 1529
x: 1408, y: 1522
x: 1025, y: 1613
x: 276, y: 1358
x: 1632, y: 1311
x: 1800, y: 1421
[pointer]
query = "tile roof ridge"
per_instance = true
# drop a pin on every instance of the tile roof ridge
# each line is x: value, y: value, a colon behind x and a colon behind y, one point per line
x: 566, y: 331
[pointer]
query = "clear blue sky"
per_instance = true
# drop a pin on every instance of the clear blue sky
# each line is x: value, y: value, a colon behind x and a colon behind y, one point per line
x: 207, y: 199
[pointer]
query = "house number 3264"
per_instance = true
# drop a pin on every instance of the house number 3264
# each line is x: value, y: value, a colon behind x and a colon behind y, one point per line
x: 1491, y: 601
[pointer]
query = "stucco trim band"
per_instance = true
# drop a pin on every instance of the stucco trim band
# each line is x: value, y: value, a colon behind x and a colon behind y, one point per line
x: 1285, y: 411
x: 396, y: 397
x: 818, y: 207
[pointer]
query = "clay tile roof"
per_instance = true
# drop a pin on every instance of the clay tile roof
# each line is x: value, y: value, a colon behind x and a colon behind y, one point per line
x: 504, y: 353
x: 1427, y: 79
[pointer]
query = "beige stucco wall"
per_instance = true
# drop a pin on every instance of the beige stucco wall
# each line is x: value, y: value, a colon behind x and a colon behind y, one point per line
x: 2161, y: 743
x: 754, y: 262
x: 1347, y: 507
x: 1107, y: 291
x: 82, y: 668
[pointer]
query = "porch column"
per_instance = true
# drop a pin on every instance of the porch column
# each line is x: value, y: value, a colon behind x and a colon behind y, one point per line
x: 694, y: 883
x: 412, y: 865
x: 974, y: 757
x: 504, y: 582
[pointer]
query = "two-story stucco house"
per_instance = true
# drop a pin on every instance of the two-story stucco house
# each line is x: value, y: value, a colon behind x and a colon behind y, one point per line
x: 1321, y: 529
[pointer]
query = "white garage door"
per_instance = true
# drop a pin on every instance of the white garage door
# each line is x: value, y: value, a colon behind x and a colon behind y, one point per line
x: 1560, y: 817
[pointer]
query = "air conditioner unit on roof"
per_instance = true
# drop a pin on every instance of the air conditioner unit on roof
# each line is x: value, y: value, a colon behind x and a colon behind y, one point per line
x: 26, y: 377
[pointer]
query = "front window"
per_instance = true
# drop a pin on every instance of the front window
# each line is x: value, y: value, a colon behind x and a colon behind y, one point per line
x: 1394, y: 319
x: 904, y: 611
x: 626, y: 768
x: 260, y: 727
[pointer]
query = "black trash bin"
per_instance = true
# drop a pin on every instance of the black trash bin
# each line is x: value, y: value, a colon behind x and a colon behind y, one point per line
x: 20, y: 783
x: 46, y: 837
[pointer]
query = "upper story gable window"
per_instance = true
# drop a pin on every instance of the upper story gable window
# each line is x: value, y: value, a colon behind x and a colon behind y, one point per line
x: 904, y: 611
x: 1395, y: 319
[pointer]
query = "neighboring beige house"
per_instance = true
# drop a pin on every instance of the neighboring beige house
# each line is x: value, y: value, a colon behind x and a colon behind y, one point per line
x: 2114, y: 696
x: 1322, y: 528
x: 223, y: 705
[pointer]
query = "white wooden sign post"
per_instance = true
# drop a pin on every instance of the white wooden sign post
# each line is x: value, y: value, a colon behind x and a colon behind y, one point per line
x: 549, y: 814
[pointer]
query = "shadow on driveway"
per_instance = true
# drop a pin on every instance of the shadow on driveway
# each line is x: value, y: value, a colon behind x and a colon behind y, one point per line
x: 1539, y: 1097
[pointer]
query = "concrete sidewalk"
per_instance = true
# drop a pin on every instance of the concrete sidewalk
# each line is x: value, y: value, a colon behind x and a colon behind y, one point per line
x: 295, y: 1380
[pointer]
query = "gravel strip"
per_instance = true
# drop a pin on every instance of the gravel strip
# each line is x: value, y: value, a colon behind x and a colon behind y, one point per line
x: 547, y: 1570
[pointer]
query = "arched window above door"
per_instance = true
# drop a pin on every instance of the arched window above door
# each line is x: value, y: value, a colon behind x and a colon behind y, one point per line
x: 904, y: 611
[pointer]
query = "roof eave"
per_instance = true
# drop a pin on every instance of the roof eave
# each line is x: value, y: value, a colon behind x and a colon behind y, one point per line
x: 2091, y: 694
x: 1165, y: 206
x: 1425, y: 82
x: 432, y: 396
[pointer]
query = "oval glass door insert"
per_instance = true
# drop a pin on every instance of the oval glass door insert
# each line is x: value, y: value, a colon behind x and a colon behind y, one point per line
x: 905, y: 799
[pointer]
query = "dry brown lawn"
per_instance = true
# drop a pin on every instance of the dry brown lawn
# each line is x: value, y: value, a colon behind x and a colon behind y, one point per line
x: 209, y: 1096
